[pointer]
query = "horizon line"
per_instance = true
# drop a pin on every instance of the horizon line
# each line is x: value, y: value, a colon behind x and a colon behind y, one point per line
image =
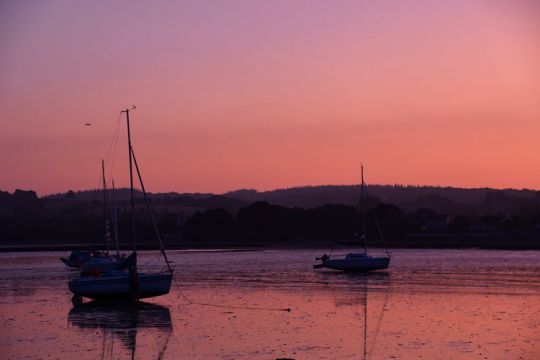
x: 289, y: 188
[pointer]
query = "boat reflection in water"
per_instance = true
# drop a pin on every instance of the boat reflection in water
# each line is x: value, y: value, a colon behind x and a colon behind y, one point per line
x: 354, y: 291
x: 118, y: 320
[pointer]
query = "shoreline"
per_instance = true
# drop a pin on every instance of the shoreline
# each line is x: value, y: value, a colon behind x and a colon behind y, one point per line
x: 241, y: 248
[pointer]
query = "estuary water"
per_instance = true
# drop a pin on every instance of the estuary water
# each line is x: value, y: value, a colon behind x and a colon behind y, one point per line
x: 430, y: 304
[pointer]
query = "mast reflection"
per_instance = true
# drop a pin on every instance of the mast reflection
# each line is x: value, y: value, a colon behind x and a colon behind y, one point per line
x: 123, y: 322
x: 353, y: 290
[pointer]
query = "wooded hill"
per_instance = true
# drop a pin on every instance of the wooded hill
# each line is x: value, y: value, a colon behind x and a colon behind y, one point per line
x: 306, y: 216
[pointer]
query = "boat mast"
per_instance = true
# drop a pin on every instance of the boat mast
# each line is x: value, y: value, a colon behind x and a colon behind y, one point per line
x: 104, y: 185
x: 363, y: 209
x: 131, y: 179
x: 115, y: 222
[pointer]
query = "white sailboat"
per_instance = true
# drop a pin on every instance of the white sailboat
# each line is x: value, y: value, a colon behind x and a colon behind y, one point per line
x: 358, y: 261
x: 125, y: 282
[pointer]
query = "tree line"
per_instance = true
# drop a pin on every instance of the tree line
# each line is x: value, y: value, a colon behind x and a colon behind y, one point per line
x: 28, y: 219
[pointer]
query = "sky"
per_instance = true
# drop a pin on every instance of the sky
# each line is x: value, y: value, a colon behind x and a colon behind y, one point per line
x: 270, y: 94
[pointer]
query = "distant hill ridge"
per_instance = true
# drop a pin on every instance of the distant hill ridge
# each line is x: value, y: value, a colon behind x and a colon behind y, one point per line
x: 485, y: 217
x: 409, y: 198
x: 444, y: 199
x: 121, y: 194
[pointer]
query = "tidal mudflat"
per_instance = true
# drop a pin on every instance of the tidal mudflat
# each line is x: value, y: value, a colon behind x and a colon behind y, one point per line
x: 430, y: 304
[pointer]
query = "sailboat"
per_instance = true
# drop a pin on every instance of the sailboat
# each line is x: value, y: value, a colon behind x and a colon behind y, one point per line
x: 358, y: 261
x: 125, y: 282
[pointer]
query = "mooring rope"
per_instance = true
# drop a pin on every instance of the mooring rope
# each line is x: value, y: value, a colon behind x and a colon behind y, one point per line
x: 188, y: 300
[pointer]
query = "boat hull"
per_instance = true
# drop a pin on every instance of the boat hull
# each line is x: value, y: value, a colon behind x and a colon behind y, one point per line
x: 357, y: 265
x: 118, y: 287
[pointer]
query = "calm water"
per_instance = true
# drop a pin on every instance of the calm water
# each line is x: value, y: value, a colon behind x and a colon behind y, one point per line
x: 431, y: 304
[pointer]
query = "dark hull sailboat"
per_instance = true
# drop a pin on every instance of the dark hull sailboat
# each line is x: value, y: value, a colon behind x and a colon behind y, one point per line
x: 124, y: 282
x: 117, y: 286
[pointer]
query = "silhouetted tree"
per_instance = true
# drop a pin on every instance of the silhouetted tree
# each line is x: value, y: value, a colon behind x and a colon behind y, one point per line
x: 217, y: 226
x: 333, y: 222
x: 392, y: 220
x: 460, y: 224
x: 263, y: 222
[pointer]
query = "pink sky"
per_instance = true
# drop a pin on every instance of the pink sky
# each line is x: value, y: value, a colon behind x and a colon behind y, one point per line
x: 269, y: 94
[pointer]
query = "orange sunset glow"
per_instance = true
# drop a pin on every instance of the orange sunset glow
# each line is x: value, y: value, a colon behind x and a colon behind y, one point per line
x: 271, y: 94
